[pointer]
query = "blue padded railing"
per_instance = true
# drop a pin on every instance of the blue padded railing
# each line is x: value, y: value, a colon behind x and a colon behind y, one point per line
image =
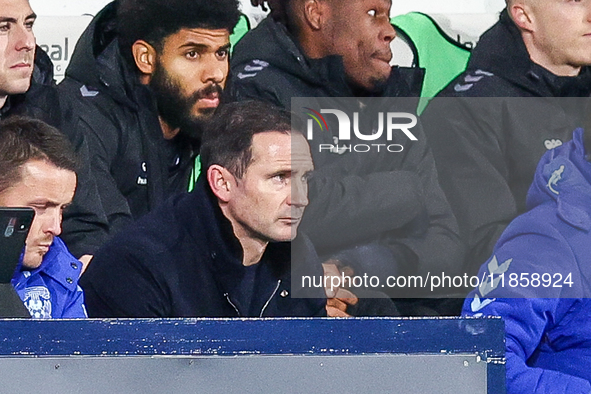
x: 363, y: 341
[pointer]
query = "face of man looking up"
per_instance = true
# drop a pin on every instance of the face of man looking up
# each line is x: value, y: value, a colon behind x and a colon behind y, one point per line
x: 361, y: 32
x: 358, y: 30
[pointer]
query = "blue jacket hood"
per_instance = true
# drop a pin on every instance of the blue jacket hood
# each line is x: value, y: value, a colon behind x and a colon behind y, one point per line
x: 563, y: 175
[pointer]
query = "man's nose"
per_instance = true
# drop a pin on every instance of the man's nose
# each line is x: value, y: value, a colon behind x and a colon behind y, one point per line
x: 53, y: 223
x: 215, y: 70
x: 388, y: 32
x: 25, y: 39
x: 299, y: 194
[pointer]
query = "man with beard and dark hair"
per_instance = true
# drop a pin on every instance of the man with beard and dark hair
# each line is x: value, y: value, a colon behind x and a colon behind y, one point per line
x: 143, y: 78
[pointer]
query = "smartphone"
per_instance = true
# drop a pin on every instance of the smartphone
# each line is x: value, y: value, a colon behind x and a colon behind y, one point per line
x: 15, y: 224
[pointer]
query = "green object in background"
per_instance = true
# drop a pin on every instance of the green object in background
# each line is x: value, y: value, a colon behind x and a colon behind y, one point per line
x: 240, y: 30
x: 195, y: 172
x: 442, y: 57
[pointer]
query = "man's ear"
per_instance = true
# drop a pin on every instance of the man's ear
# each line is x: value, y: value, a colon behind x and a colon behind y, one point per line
x: 314, y: 14
x: 522, y: 16
x: 221, y: 182
x: 145, y: 56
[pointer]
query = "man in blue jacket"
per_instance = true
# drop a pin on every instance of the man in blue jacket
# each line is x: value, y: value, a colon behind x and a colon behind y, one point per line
x: 38, y: 171
x: 225, y: 249
x: 538, y: 278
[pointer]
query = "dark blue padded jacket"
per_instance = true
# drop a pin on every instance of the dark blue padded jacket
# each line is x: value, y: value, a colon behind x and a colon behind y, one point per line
x: 183, y: 260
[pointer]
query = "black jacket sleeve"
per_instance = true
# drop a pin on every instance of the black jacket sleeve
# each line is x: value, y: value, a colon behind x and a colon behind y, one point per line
x: 438, y: 248
x: 85, y: 226
x: 99, y: 208
x: 118, y: 282
x: 473, y: 172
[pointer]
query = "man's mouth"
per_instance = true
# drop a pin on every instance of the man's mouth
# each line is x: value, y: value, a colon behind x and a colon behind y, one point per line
x: 383, y: 53
x: 385, y: 56
x: 211, y: 100
x: 44, y: 244
x: 43, y: 248
x: 22, y: 65
x: 209, y: 96
x: 290, y: 220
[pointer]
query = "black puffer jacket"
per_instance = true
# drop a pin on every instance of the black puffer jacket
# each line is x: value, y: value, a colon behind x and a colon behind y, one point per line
x: 41, y: 100
x: 113, y: 121
x: 489, y: 128
x: 355, y: 199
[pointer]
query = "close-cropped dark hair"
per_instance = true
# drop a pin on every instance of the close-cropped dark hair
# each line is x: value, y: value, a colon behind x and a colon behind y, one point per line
x: 227, y: 140
x: 23, y: 139
x: 155, y: 20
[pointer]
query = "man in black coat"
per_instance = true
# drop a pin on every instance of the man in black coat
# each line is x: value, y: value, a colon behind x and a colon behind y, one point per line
x: 521, y: 95
x: 383, y: 213
x: 225, y: 249
x: 143, y: 78
x: 26, y: 72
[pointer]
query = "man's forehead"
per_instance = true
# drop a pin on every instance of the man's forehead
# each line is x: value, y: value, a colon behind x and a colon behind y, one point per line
x: 279, y: 147
x: 15, y: 9
x: 369, y: 3
x: 36, y: 169
x: 199, y: 36
x: 271, y: 143
x: 41, y: 182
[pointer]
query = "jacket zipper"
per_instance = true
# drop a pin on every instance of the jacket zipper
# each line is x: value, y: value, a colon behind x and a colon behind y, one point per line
x: 264, y: 307
x: 270, y: 298
x: 231, y: 303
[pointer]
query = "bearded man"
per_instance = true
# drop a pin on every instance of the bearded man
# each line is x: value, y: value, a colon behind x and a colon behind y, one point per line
x: 143, y: 78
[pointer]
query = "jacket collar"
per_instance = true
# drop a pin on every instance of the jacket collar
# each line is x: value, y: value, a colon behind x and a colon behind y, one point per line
x: 283, y: 52
x: 201, y: 216
x: 58, y: 264
x: 501, y: 51
x: 42, y: 76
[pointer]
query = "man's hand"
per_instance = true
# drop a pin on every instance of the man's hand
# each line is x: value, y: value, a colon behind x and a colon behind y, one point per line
x: 338, y: 298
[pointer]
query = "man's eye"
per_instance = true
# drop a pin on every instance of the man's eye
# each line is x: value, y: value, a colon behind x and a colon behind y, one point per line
x: 29, y: 25
x: 372, y: 12
x: 192, y: 55
x: 222, y: 53
x: 4, y: 26
x: 280, y: 178
x: 39, y: 209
